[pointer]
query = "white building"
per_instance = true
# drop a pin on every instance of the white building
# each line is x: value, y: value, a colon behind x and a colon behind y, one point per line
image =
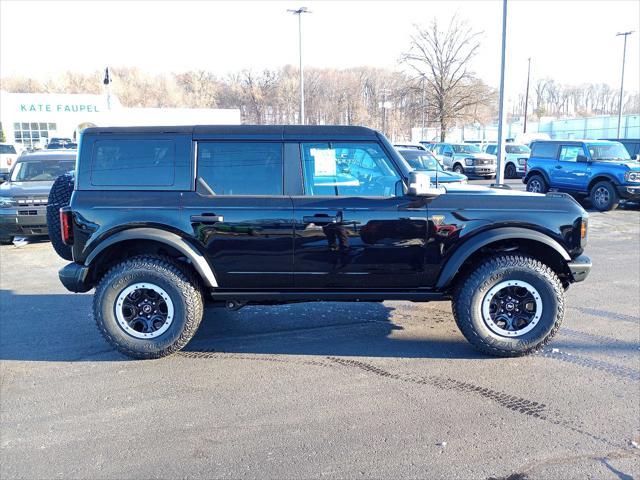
x: 31, y: 119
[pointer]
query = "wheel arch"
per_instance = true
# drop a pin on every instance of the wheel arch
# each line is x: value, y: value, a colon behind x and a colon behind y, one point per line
x: 537, y: 171
x: 602, y: 177
x: 505, y: 239
x: 140, y: 241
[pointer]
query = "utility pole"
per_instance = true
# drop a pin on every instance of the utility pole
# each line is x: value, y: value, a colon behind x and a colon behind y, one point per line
x: 624, y: 54
x: 526, y: 97
x: 299, y: 12
x: 500, y: 165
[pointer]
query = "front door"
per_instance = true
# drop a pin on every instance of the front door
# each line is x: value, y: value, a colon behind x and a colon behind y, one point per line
x: 240, y: 214
x: 354, y: 228
x: 568, y: 172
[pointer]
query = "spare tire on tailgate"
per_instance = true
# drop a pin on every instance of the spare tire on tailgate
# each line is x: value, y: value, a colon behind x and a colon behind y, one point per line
x: 59, y: 196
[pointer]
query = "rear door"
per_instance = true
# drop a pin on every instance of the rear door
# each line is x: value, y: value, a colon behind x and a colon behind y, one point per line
x: 240, y: 214
x: 354, y: 228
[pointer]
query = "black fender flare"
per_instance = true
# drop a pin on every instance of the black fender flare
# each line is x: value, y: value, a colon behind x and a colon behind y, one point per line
x: 475, y: 243
x: 171, y: 239
x: 537, y: 171
x: 602, y: 177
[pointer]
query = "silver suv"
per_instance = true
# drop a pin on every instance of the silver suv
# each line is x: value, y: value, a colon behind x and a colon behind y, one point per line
x: 465, y: 158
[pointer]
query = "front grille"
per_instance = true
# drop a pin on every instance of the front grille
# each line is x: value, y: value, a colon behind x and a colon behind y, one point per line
x: 27, y: 212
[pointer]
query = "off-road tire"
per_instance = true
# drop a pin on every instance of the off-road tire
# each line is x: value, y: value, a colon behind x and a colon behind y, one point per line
x: 535, y: 180
x: 510, y: 171
x: 181, y: 287
x: 470, y: 292
x: 612, y: 196
x: 59, y: 196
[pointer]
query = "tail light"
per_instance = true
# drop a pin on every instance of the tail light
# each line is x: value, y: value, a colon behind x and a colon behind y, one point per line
x: 66, y: 225
x: 9, y: 161
x: 525, y: 166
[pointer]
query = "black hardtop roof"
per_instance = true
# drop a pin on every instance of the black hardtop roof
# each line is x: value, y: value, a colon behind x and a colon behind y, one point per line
x: 275, y: 132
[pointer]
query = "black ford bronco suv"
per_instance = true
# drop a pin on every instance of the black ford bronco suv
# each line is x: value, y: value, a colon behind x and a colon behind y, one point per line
x: 165, y: 219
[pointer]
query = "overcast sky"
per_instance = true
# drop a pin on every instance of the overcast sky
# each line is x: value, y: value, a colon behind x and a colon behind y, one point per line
x: 570, y: 41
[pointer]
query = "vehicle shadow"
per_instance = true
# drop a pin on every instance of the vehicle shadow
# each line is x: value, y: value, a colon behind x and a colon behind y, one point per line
x: 61, y: 328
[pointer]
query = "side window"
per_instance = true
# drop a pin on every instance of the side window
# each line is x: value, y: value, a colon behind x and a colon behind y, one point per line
x: 241, y: 168
x: 545, y: 150
x: 447, y: 149
x: 347, y: 169
x: 437, y: 149
x: 569, y: 153
x: 149, y: 163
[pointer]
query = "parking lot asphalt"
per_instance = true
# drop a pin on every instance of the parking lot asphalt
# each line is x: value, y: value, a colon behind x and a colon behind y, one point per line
x: 332, y: 390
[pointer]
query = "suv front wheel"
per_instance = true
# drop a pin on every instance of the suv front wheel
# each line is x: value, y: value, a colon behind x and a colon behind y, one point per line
x: 603, y: 196
x: 147, y: 307
x: 458, y: 168
x: 509, y: 306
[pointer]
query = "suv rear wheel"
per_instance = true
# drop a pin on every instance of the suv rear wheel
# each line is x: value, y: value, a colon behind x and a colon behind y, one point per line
x: 537, y: 184
x: 603, y: 196
x: 509, y: 306
x: 146, y: 307
x: 510, y: 171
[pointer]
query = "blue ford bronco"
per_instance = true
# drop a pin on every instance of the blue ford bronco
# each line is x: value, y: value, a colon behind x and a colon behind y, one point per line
x: 599, y: 169
x: 163, y: 220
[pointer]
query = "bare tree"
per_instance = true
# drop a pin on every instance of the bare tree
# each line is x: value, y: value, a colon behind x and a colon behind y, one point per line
x: 443, y: 57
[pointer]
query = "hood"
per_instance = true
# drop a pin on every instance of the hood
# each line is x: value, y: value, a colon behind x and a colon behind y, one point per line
x: 480, y: 156
x: 482, y: 190
x: 632, y: 165
x: 445, y: 176
x: 25, y: 189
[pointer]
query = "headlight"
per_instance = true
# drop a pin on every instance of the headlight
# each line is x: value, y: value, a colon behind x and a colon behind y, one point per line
x: 632, y: 176
x: 7, y: 202
x: 522, y: 161
x: 469, y: 161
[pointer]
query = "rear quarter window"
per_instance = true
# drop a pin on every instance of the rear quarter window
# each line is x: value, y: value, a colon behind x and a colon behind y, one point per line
x: 545, y: 150
x: 133, y: 162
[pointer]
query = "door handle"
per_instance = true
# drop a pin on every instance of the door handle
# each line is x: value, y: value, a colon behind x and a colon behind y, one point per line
x: 207, y: 218
x: 320, y: 219
x: 559, y: 167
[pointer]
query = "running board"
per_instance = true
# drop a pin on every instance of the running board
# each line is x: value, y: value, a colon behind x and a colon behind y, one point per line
x: 325, y: 295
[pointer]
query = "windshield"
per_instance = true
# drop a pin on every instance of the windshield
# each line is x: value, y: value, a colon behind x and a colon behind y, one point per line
x: 41, y: 170
x: 517, y: 149
x: 421, y: 160
x: 466, y: 149
x: 608, y: 151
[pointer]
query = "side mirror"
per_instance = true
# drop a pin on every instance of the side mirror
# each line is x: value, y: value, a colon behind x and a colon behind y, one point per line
x: 582, y: 159
x: 420, y: 185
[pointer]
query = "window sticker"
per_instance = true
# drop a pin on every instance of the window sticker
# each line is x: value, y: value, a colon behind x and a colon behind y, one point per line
x: 325, y: 162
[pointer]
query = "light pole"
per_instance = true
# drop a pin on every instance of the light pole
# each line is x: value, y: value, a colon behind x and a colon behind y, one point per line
x: 424, y: 113
x: 500, y: 166
x: 299, y: 12
x: 526, y: 97
x: 624, y: 54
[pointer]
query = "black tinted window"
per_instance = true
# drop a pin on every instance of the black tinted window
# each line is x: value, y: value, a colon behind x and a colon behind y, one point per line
x: 7, y: 149
x: 133, y: 163
x: 544, y: 150
x: 246, y: 168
